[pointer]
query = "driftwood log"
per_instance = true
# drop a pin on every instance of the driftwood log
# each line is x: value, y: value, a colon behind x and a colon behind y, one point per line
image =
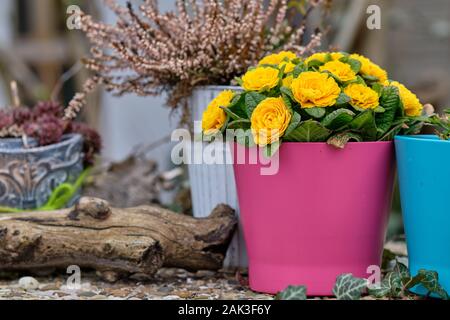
x: 114, y: 241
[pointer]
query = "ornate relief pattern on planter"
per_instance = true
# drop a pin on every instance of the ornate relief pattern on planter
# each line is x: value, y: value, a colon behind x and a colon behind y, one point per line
x: 28, y: 176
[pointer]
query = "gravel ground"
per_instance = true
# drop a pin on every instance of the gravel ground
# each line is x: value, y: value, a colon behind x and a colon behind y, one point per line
x: 169, y: 284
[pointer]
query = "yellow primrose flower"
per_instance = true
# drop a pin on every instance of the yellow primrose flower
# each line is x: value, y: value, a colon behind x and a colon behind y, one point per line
x: 288, y: 81
x: 315, y: 89
x: 288, y: 66
x: 341, y: 70
x: 270, y: 120
x: 321, y: 56
x: 261, y: 78
x: 411, y: 103
x: 369, y: 68
x: 362, y: 96
x: 214, y: 117
x: 278, y: 58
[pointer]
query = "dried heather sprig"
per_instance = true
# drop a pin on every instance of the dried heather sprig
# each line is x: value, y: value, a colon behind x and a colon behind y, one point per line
x: 203, y: 42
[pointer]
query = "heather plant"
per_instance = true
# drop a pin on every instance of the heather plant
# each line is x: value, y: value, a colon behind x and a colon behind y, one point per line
x: 203, y: 42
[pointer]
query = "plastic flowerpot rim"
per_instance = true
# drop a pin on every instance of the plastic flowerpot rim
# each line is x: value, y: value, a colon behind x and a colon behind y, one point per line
x: 423, y: 138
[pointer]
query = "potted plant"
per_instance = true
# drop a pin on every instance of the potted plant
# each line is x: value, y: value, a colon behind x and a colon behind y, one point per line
x: 192, y: 54
x: 424, y: 178
x: 330, y: 120
x: 43, y: 155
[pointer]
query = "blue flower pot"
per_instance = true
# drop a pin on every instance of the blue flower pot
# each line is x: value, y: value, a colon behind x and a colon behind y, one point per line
x: 28, y: 176
x: 424, y: 177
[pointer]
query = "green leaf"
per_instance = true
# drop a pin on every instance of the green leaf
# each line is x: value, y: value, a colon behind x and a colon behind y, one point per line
x: 239, y: 124
x: 390, y: 287
x: 309, y: 131
x: 317, y: 113
x: 379, y: 109
x: 430, y: 280
x: 295, y: 121
x: 348, y: 287
x: 245, y: 138
x: 370, y: 78
x: 340, y: 140
x: 342, y: 100
x: 288, y: 92
x: 239, y: 81
x: 354, y: 64
x: 299, y: 68
x: 364, y: 124
x: 271, y: 149
x: 338, y: 119
x: 390, y: 101
x: 252, y: 99
x: 287, y: 102
x: 292, y: 293
x: 231, y: 114
x: 315, y: 64
x: 237, y: 105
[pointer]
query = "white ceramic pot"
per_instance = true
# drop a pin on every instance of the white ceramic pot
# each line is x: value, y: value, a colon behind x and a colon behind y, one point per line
x: 215, y: 184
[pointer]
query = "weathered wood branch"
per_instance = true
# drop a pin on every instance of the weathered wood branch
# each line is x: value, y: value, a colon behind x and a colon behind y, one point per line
x: 94, y: 235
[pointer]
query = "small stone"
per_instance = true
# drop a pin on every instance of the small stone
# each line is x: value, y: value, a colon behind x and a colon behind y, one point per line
x: 173, y: 297
x: 87, y: 294
x: 165, y: 289
x: 205, y: 274
x: 28, y: 283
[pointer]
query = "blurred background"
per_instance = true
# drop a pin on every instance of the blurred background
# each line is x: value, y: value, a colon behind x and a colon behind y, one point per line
x: 38, y: 50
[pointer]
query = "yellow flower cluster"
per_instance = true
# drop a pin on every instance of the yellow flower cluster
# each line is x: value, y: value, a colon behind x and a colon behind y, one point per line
x: 284, y: 87
x: 261, y: 79
x: 411, y: 103
x: 270, y: 120
x: 371, y: 69
x: 343, y: 71
x: 214, y: 117
x: 361, y: 96
x: 314, y: 89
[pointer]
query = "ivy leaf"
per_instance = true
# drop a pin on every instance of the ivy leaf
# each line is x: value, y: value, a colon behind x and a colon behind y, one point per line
x: 364, y: 124
x: 340, y: 140
x: 391, y: 286
x: 292, y: 293
x: 342, y: 100
x: 309, y: 131
x: 317, y: 113
x: 338, y: 119
x: 430, y: 280
x: 348, y: 287
x: 271, y: 149
x: 295, y: 121
x: 252, y: 99
x: 390, y: 101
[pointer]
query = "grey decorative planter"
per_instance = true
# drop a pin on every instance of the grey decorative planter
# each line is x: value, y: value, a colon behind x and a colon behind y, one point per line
x: 214, y: 184
x: 28, y: 176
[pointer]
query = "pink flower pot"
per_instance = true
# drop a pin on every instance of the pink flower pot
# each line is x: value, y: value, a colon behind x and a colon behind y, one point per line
x: 323, y: 214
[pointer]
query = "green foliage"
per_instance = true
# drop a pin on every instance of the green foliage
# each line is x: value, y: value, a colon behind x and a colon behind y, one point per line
x: 365, y: 125
x: 348, y: 287
x: 252, y: 99
x: 338, y: 119
x: 390, y: 102
x: 292, y: 293
x: 316, y: 113
x: 308, y: 131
